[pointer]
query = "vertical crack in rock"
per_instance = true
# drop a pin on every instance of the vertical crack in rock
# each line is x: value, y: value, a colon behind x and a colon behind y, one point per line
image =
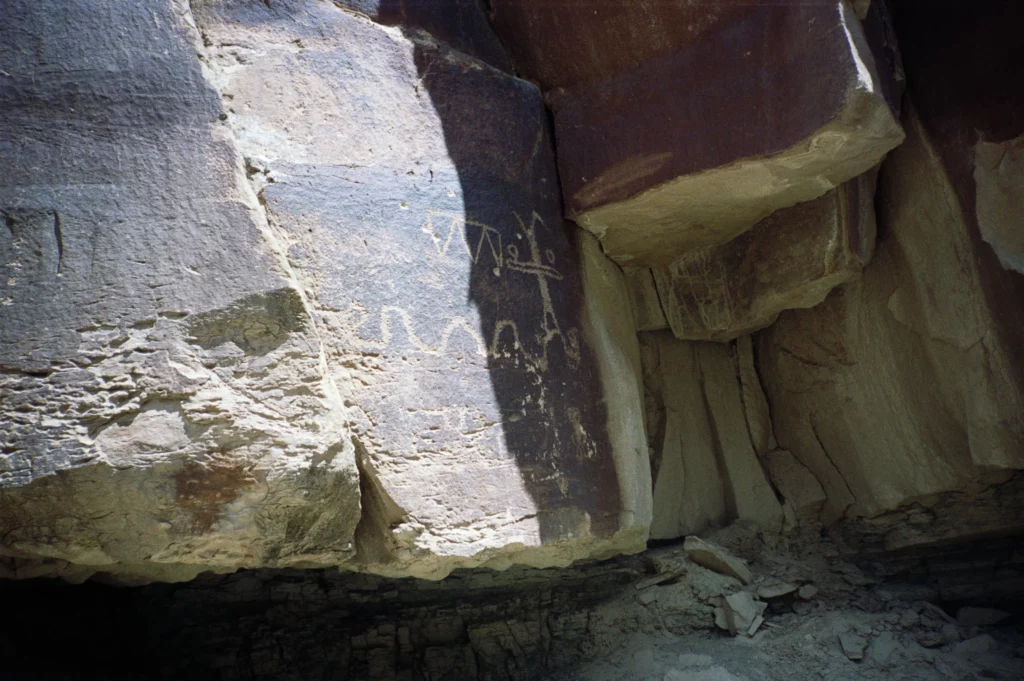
x: 58, y: 236
x: 379, y: 514
x: 728, y: 488
x: 835, y: 468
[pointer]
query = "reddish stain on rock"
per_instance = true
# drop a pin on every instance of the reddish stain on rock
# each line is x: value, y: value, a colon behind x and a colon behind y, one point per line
x: 203, y: 488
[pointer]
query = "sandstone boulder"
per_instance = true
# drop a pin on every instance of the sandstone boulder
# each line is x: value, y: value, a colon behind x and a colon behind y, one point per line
x: 902, y: 384
x: 692, y: 148
x: 307, y: 299
x: 908, y: 385
x: 483, y: 345
x: 791, y: 259
x: 164, y: 404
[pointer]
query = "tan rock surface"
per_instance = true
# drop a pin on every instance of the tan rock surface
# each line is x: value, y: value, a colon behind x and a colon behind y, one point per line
x: 479, y: 340
x: 705, y: 467
x: 791, y: 259
x: 901, y: 385
x: 243, y: 327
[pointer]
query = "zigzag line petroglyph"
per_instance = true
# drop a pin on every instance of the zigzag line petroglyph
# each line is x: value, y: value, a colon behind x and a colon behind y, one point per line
x: 504, y: 259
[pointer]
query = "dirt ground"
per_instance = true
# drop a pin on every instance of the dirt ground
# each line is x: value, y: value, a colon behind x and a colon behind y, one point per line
x: 850, y: 627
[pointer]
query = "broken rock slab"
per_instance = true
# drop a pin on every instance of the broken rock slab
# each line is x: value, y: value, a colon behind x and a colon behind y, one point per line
x: 727, y: 131
x: 478, y: 339
x: 718, y: 559
x: 162, y: 377
x: 741, y: 613
x: 791, y: 259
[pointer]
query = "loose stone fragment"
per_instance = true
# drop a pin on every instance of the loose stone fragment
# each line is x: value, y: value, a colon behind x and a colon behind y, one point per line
x: 718, y: 559
x: 807, y: 592
x: 853, y: 645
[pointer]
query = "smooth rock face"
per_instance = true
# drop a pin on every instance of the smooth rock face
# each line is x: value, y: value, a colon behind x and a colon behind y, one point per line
x: 607, y: 39
x: 902, y: 384
x: 791, y: 259
x: 909, y: 383
x: 704, y: 461
x: 998, y: 179
x: 690, y: 149
x: 164, y: 403
x: 478, y: 339
x: 264, y: 333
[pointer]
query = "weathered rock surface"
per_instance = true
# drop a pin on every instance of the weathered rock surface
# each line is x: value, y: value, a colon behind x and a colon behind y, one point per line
x: 264, y: 333
x: 607, y: 40
x: 705, y: 465
x: 718, y: 559
x: 907, y: 384
x: 998, y: 178
x: 791, y: 259
x: 693, y: 148
x: 164, y: 403
x: 477, y: 338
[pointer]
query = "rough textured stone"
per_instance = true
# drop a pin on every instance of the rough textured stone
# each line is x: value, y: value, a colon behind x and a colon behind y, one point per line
x: 791, y: 259
x: 477, y: 338
x: 907, y: 385
x: 795, y: 483
x: 462, y: 24
x: 909, y: 359
x: 998, y: 178
x: 691, y: 149
x: 165, y: 404
x: 718, y: 559
x: 260, y: 332
x: 704, y: 462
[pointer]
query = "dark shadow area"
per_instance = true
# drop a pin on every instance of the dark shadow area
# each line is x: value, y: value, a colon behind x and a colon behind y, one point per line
x: 305, y: 625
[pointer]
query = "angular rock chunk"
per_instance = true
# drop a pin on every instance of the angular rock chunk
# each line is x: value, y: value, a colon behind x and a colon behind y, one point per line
x: 742, y: 613
x: 477, y: 337
x: 998, y: 179
x: 693, y: 148
x: 718, y: 559
x: 161, y: 379
x: 853, y: 645
x: 791, y: 259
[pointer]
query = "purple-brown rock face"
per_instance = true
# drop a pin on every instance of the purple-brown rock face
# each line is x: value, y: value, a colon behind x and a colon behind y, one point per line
x: 695, y: 145
x: 317, y: 306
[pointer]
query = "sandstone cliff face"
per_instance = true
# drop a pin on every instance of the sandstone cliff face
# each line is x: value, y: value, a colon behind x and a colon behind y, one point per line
x: 290, y: 284
x: 303, y: 299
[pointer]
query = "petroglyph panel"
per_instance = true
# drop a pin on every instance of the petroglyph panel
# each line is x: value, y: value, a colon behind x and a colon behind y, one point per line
x: 448, y: 289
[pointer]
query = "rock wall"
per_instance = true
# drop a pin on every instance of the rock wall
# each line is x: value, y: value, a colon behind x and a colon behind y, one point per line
x: 300, y: 295
x: 905, y: 387
x: 291, y: 284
